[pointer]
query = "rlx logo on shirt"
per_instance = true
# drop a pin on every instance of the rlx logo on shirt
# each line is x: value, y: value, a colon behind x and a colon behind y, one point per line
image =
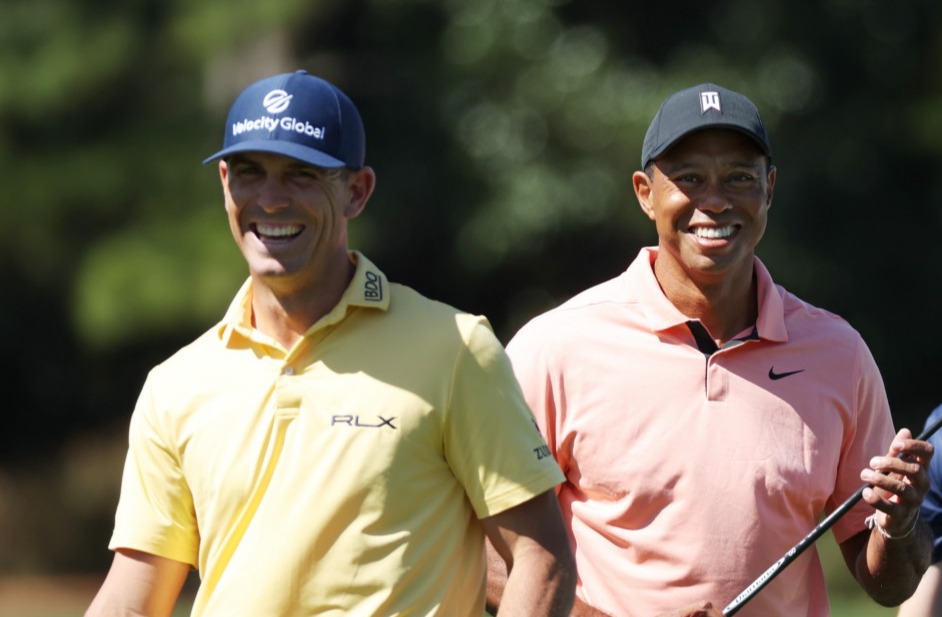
x: 355, y: 421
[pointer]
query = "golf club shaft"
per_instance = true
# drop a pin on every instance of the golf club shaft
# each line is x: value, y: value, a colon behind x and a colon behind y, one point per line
x: 808, y: 540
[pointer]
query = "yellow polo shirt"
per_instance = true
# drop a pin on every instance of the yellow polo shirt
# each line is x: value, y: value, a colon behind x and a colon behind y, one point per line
x: 344, y: 476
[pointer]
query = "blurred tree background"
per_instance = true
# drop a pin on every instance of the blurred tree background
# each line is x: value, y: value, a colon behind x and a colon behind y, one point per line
x: 503, y: 133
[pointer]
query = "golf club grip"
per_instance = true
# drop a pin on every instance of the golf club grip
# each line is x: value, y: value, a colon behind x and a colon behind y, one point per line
x: 733, y: 607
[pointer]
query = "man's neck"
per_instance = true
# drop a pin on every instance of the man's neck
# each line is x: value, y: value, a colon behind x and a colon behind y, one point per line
x: 726, y: 305
x: 286, y: 312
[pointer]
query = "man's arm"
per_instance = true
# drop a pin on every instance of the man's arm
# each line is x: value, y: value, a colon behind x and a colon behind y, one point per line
x: 928, y: 597
x: 139, y: 584
x: 531, y: 541
x: 889, y: 564
x: 497, y: 584
x: 497, y: 581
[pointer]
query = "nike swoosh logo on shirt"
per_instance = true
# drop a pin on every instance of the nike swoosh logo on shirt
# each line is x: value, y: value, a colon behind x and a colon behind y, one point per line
x: 773, y: 375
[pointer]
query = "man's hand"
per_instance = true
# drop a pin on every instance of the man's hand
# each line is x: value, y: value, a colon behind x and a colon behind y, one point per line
x: 889, y: 560
x: 900, y: 480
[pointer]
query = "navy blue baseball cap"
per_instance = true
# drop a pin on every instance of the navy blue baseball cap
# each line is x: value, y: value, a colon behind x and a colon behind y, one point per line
x: 702, y: 107
x: 296, y: 115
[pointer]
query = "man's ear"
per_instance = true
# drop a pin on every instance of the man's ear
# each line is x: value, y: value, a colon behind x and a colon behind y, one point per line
x: 643, y: 185
x: 771, y: 184
x: 361, y: 184
x: 224, y: 177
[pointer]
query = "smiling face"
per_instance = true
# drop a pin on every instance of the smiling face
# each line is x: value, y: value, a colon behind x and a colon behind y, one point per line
x: 709, y: 197
x: 289, y: 219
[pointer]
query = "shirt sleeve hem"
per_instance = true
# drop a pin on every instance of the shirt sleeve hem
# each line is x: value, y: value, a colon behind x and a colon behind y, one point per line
x: 176, y: 553
x: 525, y: 491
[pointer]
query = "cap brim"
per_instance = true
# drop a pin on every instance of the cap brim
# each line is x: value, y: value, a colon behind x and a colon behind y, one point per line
x: 295, y: 151
x: 716, y: 125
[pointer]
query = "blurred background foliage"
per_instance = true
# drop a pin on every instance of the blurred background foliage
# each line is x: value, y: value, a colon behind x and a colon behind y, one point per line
x: 503, y: 133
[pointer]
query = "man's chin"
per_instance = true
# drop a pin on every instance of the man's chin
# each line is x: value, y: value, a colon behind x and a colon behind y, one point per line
x: 269, y: 270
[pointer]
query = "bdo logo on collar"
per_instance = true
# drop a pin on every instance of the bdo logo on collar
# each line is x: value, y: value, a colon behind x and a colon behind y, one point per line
x: 276, y: 101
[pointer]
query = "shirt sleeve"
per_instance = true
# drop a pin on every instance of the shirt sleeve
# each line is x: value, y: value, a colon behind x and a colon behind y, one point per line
x: 492, y: 443
x: 870, y: 436
x: 155, y: 511
x: 931, y: 510
x: 531, y: 370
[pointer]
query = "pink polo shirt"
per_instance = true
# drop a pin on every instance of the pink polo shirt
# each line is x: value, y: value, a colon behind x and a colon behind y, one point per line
x: 687, y: 474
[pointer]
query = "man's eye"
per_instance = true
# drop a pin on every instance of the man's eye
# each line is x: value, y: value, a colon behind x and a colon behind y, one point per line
x: 307, y: 174
x: 247, y: 170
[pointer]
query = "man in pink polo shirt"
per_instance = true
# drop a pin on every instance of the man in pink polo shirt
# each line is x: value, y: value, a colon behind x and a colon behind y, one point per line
x: 704, y: 417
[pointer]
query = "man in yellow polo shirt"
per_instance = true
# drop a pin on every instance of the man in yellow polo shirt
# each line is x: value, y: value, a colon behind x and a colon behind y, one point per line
x: 337, y: 444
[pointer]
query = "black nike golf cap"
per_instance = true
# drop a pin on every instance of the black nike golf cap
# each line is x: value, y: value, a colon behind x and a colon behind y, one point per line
x: 701, y: 107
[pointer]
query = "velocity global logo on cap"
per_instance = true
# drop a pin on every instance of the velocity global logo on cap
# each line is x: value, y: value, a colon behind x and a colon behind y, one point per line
x: 276, y: 101
x: 299, y: 116
x: 268, y: 124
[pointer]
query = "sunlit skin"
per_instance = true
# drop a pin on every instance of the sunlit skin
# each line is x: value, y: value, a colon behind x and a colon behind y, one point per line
x: 289, y: 220
x: 709, y: 197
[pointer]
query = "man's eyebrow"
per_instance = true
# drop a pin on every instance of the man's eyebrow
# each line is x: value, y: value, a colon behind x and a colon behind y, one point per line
x: 751, y: 164
x: 246, y: 159
x: 679, y: 166
x: 302, y: 165
x: 239, y: 158
x: 672, y: 168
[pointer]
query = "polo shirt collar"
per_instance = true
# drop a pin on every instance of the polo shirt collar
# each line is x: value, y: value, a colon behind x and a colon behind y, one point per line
x: 662, y: 315
x: 369, y: 288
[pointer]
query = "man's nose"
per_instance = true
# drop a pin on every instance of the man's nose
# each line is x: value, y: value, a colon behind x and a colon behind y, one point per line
x: 714, y: 198
x: 272, y: 195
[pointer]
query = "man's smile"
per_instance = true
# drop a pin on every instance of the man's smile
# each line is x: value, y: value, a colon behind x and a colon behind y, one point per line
x: 713, y: 233
x: 266, y: 231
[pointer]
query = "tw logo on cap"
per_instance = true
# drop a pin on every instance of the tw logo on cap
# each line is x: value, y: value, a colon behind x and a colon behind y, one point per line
x: 708, y: 101
x: 276, y: 101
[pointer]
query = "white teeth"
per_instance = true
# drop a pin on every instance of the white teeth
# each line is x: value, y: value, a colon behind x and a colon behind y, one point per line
x: 713, y: 232
x: 277, y: 231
